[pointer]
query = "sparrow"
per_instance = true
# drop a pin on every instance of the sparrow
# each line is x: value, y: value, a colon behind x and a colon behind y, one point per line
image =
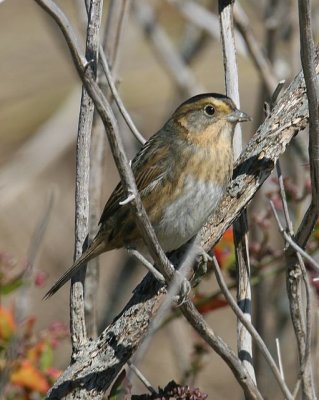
x: 181, y: 173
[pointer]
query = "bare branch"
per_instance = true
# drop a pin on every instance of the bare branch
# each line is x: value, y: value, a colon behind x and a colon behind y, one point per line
x: 113, y: 29
x: 206, y: 20
x: 280, y: 360
x: 77, y: 310
x: 311, y: 79
x: 147, y: 264
x: 292, y: 243
x: 230, y: 63
x: 244, y: 342
x: 261, y: 62
x: 116, y: 17
x: 141, y: 377
x: 118, y: 12
x: 172, y: 61
x: 310, y: 73
x: 118, y: 99
x: 221, y: 348
x: 248, y: 325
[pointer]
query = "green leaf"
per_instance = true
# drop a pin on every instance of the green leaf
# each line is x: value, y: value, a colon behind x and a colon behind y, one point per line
x: 46, y: 359
x: 10, y: 287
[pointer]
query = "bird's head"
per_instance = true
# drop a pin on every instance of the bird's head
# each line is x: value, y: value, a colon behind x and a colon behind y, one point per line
x: 208, y: 117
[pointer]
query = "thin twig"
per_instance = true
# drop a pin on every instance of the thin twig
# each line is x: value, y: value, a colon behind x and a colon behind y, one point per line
x: 292, y: 243
x: 261, y: 62
x: 206, y: 20
x: 182, y: 75
x: 275, y: 271
x: 221, y: 348
x: 141, y: 377
x: 135, y: 253
x: 118, y: 100
x: 250, y: 328
x: 116, y: 18
x: 284, y: 198
x: 280, y: 360
x: 296, y: 390
x: 302, y: 252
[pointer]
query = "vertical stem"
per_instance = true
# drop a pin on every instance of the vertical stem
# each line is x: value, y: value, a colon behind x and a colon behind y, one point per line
x: 113, y: 30
x: 295, y: 271
x: 244, y: 340
x: 77, y: 318
x: 230, y: 63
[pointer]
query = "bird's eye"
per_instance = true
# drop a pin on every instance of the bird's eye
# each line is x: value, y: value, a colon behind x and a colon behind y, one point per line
x: 209, y: 110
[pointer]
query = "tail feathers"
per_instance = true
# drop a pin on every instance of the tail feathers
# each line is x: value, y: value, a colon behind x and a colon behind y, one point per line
x: 96, y: 248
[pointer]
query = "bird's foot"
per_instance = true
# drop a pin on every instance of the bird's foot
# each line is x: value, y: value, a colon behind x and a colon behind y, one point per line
x: 203, y: 258
x: 184, y: 288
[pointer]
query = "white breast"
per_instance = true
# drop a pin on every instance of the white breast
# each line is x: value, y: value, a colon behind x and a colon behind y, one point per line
x: 184, y: 218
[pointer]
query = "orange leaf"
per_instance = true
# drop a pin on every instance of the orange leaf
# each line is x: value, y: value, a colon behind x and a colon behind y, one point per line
x: 7, y: 324
x: 27, y: 376
x: 205, y: 307
x: 224, y: 250
x: 228, y: 235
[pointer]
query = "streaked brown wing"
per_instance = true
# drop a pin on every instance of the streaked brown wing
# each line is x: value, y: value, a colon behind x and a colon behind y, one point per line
x: 149, y: 165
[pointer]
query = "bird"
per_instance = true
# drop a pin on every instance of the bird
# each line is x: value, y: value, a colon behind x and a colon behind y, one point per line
x: 181, y: 174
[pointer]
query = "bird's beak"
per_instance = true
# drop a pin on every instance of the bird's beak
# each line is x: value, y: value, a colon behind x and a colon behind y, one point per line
x: 238, y: 116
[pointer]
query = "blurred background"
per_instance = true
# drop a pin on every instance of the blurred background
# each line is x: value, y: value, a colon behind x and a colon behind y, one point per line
x: 40, y: 98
